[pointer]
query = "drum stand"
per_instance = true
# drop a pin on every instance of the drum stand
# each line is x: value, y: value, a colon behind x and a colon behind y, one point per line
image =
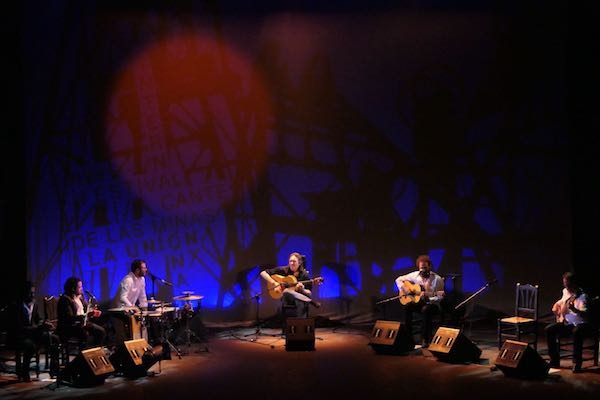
x: 188, y: 333
x: 164, y: 338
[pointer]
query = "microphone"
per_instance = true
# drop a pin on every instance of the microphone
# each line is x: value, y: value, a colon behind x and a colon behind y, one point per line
x: 156, y: 278
x: 90, y: 295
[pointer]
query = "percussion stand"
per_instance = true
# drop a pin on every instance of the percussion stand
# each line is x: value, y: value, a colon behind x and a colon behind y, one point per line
x: 164, y: 338
x: 188, y: 334
x: 258, y: 332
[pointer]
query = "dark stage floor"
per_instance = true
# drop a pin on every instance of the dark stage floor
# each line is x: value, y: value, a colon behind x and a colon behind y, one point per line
x: 342, y: 365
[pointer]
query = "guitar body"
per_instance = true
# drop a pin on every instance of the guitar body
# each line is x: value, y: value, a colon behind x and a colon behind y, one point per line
x: 410, y: 293
x: 284, y: 282
x: 561, y: 309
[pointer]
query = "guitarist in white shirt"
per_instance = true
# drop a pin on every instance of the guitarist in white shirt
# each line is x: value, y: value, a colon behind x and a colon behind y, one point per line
x: 425, y: 298
x: 298, y: 294
x: 571, y: 312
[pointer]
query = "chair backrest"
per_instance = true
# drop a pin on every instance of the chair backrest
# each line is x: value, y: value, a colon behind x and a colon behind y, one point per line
x: 594, y: 310
x: 51, y: 309
x: 526, y: 302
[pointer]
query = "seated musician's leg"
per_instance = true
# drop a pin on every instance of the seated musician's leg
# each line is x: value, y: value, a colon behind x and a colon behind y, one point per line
x: 97, y: 333
x: 428, y: 311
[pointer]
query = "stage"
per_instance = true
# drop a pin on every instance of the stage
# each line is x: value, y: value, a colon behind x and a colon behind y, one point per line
x: 240, y: 364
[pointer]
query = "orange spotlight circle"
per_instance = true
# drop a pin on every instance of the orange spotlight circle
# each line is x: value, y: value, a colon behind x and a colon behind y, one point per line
x: 188, y: 125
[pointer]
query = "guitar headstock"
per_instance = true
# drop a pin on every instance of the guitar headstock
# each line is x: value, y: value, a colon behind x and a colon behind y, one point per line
x: 318, y: 280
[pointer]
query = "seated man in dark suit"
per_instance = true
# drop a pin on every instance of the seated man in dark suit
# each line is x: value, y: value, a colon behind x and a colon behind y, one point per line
x: 29, y: 330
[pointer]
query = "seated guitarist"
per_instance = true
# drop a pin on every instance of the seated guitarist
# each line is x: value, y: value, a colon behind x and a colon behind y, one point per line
x: 298, y: 295
x: 572, y: 318
x: 428, y: 302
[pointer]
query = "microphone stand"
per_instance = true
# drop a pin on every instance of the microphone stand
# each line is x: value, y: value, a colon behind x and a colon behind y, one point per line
x: 258, y: 332
x: 468, y: 299
x: 154, y: 278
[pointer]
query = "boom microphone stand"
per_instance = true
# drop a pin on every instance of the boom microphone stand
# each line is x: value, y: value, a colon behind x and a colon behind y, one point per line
x: 468, y: 299
x: 258, y: 332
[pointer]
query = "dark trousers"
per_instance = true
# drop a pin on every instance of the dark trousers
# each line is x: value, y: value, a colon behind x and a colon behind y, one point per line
x: 558, y: 330
x: 28, y: 345
x: 89, y: 335
x: 427, y: 311
x: 293, y: 307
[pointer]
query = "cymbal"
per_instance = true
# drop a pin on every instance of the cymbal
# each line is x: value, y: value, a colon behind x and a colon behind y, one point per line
x: 152, y: 301
x: 188, y: 298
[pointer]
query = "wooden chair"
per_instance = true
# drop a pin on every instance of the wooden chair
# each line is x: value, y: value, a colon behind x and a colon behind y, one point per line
x: 523, y: 325
x: 51, y: 350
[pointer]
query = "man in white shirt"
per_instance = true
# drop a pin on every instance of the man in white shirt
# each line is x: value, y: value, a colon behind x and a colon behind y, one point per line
x: 131, y: 293
x: 132, y: 289
x: 427, y: 302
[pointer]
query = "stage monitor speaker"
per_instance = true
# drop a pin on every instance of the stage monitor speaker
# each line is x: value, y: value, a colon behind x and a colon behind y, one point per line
x: 299, y: 334
x: 89, y: 368
x: 451, y: 345
x: 391, y: 337
x: 519, y: 360
x: 134, y: 357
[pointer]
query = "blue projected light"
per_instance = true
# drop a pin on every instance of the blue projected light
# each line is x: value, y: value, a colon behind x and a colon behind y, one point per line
x: 406, y: 195
x: 228, y: 300
x: 331, y: 284
x: 473, y: 278
x: 376, y: 270
x: 436, y: 255
x: 404, y: 263
x: 354, y: 284
x: 437, y: 215
x: 288, y: 244
x: 486, y: 219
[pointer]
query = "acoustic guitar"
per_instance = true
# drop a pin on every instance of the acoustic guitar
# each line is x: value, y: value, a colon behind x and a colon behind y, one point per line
x: 410, y: 293
x: 283, y: 282
x: 560, y: 310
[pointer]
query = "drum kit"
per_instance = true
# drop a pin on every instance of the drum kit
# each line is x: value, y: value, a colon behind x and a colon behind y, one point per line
x: 162, y: 318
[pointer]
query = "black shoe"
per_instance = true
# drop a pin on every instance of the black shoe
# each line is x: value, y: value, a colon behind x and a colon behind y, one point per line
x: 24, y: 376
x: 315, y: 304
x: 576, y: 368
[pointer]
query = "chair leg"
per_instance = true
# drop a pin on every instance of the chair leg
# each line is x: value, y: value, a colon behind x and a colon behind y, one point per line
x: 499, y: 335
x: 37, y: 364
